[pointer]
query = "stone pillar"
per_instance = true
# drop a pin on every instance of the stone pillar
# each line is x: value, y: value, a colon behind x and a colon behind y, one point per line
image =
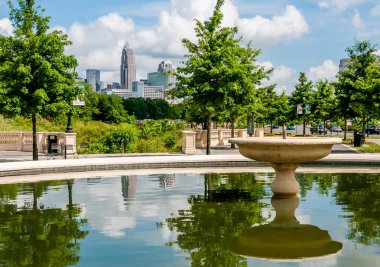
x: 259, y: 132
x: 70, y: 140
x: 220, y: 137
x: 242, y: 133
x: 188, y: 143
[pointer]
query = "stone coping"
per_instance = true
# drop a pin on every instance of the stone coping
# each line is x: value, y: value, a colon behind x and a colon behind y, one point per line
x: 290, y: 141
x: 165, y: 162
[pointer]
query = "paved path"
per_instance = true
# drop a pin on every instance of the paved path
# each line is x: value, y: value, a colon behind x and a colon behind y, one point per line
x: 222, y: 158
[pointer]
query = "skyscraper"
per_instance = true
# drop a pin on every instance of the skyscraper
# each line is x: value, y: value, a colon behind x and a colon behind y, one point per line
x: 93, y: 78
x: 127, y: 67
x: 163, y: 76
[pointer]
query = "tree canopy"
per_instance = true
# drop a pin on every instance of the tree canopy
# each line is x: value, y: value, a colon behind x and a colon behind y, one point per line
x: 219, y: 73
x: 35, y: 73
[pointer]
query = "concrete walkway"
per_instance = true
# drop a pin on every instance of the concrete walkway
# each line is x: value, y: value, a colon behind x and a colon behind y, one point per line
x: 222, y: 158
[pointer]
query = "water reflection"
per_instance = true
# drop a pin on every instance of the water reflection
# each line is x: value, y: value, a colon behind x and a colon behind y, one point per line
x: 35, y: 235
x: 228, y: 206
x: 359, y: 197
x: 285, y: 238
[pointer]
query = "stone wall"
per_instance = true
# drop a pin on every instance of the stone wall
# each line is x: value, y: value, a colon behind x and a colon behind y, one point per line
x: 23, y: 141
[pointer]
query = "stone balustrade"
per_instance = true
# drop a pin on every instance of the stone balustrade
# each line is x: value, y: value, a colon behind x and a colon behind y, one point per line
x: 192, y: 141
x: 23, y: 141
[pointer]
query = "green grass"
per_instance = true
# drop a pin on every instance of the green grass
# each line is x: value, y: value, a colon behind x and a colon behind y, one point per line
x: 369, y: 147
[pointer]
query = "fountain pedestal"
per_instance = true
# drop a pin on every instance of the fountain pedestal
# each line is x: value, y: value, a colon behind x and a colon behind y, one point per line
x: 285, y: 155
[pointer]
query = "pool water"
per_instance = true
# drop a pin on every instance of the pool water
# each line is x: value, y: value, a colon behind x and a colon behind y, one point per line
x: 189, y: 220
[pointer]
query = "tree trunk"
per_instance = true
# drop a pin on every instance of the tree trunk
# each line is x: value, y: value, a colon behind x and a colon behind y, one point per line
x: 232, y: 129
x: 35, y: 147
x: 304, y: 126
x: 364, y: 123
x: 208, y: 134
x: 283, y: 131
x: 324, y: 127
x: 271, y: 127
x: 345, y: 129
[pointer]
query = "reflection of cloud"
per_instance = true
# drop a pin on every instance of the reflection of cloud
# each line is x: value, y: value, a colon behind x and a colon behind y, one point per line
x: 115, y: 226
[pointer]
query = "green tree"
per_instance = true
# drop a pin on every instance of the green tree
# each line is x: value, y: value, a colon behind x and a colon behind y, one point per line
x: 283, y: 109
x: 218, y: 72
x: 301, y: 97
x: 324, y: 103
x: 266, y: 107
x: 110, y: 109
x: 35, y: 73
x: 355, y: 90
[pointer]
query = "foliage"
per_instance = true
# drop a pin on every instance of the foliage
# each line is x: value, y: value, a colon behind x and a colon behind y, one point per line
x: 207, y: 228
x: 302, y: 95
x: 324, y: 103
x: 358, y: 89
x: 36, y: 235
x: 147, y: 108
x: 110, y: 109
x: 122, y: 138
x: 218, y: 74
x: 35, y: 73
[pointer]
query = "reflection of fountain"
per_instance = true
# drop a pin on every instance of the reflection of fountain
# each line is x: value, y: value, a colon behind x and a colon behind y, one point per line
x: 285, y: 155
x: 285, y: 238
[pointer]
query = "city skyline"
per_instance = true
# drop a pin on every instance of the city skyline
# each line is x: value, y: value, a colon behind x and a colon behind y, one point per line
x: 294, y: 35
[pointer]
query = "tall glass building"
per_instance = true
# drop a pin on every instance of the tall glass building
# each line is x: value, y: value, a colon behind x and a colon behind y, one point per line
x: 127, y: 67
x: 93, y: 79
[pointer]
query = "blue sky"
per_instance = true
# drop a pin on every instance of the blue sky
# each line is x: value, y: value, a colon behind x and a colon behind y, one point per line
x: 294, y: 35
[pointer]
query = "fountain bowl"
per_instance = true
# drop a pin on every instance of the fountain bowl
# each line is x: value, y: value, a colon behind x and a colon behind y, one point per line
x: 285, y: 155
x: 290, y: 150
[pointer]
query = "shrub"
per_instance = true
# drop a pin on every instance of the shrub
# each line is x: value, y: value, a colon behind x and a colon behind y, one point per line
x: 122, y: 138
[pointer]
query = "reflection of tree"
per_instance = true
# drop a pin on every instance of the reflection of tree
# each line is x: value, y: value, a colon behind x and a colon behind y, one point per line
x: 37, y: 235
x: 359, y: 194
x: 322, y: 181
x: 228, y: 207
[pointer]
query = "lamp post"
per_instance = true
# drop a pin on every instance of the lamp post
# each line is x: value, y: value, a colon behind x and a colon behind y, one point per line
x: 250, y: 122
x: 69, y: 127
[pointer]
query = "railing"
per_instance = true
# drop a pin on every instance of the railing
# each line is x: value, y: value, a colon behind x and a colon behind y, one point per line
x: 23, y: 141
x: 193, y: 140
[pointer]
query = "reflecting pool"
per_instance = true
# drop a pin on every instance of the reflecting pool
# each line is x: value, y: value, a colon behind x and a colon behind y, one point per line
x: 191, y: 220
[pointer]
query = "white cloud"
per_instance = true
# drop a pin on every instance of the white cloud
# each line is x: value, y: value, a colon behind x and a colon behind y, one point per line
x: 375, y: 11
x: 328, y: 70
x: 263, y: 31
x: 98, y: 44
x: 6, y: 27
x: 339, y: 5
x: 285, y: 77
x: 357, y: 20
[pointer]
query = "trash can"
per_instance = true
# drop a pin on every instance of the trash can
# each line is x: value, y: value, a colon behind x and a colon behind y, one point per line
x: 358, y: 139
x: 52, y: 144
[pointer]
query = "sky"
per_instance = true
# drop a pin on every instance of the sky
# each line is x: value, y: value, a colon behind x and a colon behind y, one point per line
x: 294, y: 35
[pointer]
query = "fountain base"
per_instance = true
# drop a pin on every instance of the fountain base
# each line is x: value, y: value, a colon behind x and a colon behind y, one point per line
x: 285, y: 182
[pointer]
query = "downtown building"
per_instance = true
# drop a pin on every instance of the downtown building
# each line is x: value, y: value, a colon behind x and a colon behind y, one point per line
x: 127, y: 67
x: 164, y: 76
x: 93, y: 79
x: 141, y: 89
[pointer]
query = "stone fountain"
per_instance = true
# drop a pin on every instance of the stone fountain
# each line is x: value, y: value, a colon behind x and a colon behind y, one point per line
x: 285, y: 155
x: 285, y: 238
